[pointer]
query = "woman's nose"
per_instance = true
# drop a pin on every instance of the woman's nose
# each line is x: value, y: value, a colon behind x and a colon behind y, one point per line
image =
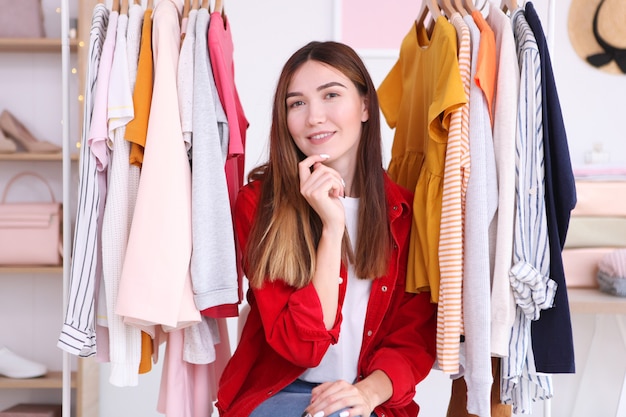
x: 317, y: 114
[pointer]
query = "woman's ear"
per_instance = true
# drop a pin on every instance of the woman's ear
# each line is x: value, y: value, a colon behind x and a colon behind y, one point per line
x: 365, y: 113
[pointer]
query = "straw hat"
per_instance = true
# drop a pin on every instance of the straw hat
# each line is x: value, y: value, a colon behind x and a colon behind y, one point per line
x: 606, y: 49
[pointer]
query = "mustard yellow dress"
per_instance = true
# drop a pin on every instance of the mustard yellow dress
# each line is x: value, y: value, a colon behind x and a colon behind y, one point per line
x: 417, y: 98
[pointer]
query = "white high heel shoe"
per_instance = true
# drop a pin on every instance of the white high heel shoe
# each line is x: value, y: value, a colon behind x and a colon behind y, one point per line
x: 14, y: 366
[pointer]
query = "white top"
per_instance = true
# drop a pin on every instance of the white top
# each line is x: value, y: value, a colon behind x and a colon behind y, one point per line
x: 341, y: 360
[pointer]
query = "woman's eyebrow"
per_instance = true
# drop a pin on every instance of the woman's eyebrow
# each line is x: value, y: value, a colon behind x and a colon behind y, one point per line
x: 330, y: 84
x: 320, y: 88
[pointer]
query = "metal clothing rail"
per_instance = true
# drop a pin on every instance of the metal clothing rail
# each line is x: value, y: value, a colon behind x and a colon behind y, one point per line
x: 65, y: 71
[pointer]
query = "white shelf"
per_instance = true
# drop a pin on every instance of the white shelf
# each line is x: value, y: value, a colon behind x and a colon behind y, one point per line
x: 594, y: 301
x: 51, y: 380
x: 34, y: 45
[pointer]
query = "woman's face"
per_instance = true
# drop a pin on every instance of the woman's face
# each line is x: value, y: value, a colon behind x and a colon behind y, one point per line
x: 324, y: 114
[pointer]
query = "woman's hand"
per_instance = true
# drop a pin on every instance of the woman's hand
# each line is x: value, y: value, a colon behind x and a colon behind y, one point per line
x: 331, y: 397
x: 322, y: 187
x: 357, y: 399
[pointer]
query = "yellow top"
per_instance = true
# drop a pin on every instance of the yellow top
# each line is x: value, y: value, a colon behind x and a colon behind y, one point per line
x: 417, y: 98
x: 137, y: 129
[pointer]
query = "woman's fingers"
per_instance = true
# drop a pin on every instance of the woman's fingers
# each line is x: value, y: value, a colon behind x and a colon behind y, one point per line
x: 331, y: 397
x: 318, y: 180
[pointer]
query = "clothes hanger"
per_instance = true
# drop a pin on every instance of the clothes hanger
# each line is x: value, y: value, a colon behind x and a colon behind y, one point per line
x: 194, y: 5
x: 186, y: 7
x: 460, y: 7
x: 219, y: 7
x: 124, y: 7
x: 428, y: 7
x: 116, y: 6
x: 470, y: 6
x: 509, y: 5
x: 205, y: 4
x: 150, y: 4
x: 447, y: 7
x: 138, y: 2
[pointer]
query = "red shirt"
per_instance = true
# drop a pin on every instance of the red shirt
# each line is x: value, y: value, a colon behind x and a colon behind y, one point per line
x: 285, y: 334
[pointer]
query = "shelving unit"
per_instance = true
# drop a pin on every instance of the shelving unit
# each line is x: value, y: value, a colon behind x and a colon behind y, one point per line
x: 50, y: 380
x: 34, y: 45
x: 82, y: 378
x: 594, y: 301
x: 33, y: 157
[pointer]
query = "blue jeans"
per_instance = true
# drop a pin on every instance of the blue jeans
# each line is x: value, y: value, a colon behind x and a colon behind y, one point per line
x: 290, y: 402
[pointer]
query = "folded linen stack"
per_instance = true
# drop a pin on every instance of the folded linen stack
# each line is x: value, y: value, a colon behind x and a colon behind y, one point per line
x: 612, y: 273
x: 597, y: 227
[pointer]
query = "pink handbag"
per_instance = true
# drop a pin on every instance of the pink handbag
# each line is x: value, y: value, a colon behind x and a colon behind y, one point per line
x: 21, y: 19
x: 30, y: 233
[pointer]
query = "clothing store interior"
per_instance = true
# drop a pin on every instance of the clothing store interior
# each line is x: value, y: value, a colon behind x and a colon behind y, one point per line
x: 98, y: 317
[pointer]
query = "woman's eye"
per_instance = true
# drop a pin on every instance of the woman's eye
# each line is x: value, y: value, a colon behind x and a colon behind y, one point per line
x: 295, y: 104
x: 332, y: 95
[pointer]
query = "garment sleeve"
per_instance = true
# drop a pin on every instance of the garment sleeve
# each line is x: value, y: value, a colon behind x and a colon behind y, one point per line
x: 390, y: 96
x: 406, y: 346
x: 292, y: 318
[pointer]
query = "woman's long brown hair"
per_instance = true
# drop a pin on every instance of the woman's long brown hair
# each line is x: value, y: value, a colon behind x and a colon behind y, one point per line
x: 284, y: 237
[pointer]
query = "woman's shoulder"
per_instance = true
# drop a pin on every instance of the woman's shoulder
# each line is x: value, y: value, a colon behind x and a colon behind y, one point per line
x: 248, y: 195
x: 397, y: 194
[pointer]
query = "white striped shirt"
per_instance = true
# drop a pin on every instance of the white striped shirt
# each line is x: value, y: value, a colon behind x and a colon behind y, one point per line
x: 78, y: 334
x: 450, y: 251
x: 532, y: 288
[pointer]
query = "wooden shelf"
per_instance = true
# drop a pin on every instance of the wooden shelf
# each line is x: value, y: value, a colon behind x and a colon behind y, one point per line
x: 52, y: 379
x: 29, y: 156
x: 29, y: 269
x: 594, y: 301
x: 34, y: 45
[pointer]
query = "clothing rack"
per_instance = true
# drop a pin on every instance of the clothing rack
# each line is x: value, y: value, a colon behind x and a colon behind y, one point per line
x: 66, y: 167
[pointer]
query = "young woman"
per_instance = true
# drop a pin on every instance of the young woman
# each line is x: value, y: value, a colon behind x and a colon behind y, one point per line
x: 331, y: 330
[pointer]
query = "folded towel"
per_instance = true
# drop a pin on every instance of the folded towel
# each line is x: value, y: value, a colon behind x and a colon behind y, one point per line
x: 612, y: 273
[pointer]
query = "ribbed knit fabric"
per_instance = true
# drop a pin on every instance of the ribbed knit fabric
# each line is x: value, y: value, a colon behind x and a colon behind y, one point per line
x: 504, y: 128
x: 480, y: 209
